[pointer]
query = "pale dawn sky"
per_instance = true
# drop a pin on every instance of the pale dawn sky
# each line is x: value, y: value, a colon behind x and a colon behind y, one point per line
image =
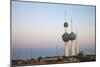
x: 40, y: 26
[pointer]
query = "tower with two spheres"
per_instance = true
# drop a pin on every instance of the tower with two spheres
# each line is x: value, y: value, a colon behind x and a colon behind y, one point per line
x: 66, y: 37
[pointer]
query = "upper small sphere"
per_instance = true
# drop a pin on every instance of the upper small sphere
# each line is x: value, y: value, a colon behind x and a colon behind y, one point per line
x: 65, y: 24
x: 72, y: 36
x: 65, y: 37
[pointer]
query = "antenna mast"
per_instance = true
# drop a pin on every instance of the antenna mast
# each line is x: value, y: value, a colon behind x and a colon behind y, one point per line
x: 71, y: 25
x: 65, y: 15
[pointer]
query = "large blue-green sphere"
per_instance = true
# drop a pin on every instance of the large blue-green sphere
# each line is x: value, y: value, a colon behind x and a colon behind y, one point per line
x: 65, y: 37
x: 72, y: 36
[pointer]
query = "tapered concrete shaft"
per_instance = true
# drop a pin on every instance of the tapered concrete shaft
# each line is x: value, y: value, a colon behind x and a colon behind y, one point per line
x: 66, y: 49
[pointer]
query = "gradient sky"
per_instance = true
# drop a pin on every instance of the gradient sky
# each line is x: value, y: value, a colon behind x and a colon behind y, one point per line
x: 38, y: 28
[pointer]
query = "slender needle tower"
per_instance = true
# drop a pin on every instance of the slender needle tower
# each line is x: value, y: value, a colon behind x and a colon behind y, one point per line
x: 77, y: 49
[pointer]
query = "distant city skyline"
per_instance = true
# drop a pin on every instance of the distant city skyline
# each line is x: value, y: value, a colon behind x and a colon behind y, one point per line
x: 39, y: 26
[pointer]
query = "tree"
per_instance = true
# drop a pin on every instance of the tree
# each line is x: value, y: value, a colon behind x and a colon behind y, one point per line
x: 39, y: 58
x: 81, y: 53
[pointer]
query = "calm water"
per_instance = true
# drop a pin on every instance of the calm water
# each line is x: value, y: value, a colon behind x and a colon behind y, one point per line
x: 26, y: 53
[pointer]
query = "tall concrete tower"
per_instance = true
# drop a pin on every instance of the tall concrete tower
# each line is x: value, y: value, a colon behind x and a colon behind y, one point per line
x: 65, y: 37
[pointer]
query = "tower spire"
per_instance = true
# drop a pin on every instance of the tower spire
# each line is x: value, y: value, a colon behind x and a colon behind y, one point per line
x: 65, y: 24
x: 71, y: 25
x: 65, y: 15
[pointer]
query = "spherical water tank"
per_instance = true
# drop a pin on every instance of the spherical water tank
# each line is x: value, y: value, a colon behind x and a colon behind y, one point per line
x: 72, y: 36
x: 65, y: 37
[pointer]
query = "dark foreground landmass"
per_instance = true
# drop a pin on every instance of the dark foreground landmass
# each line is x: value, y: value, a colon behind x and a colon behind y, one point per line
x: 53, y: 60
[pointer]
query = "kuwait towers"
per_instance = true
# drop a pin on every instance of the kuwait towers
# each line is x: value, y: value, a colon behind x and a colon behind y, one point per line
x: 66, y: 37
